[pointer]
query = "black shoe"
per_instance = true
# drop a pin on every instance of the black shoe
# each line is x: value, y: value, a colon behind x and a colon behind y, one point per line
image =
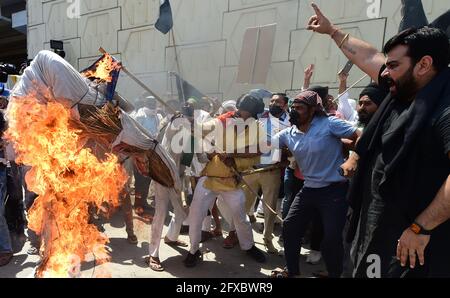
x: 184, y: 230
x: 192, y: 260
x: 256, y: 254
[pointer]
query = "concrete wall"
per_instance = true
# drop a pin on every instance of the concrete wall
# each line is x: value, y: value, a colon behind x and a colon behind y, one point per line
x: 209, y: 36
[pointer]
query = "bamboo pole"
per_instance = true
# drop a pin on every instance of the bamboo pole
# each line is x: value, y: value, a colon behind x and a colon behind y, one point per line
x: 140, y: 83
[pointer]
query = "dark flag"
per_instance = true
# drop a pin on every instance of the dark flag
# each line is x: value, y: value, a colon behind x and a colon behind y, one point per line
x: 413, y: 15
x: 111, y: 87
x: 106, y: 69
x: 186, y: 90
x: 443, y: 23
x: 165, y: 21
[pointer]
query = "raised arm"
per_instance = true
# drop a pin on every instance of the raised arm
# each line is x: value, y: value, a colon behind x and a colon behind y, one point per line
x: 342, y: 82
x: 361, y: 53
x: 309, y: 71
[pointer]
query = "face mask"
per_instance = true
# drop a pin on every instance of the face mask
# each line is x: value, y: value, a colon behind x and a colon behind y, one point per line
x: 294, y: 118
x: 188, y: 111
x: 275, y: 110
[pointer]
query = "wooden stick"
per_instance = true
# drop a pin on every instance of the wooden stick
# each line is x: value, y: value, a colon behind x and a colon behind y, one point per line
x: 261, y: 170
x: 351, y: 87
x: 140, y: 83
x: 237, y: 174
x: 241, y: 178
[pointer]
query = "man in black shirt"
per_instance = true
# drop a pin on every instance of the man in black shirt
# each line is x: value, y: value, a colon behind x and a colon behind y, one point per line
x: 400, y: 193
x: 369, y: 100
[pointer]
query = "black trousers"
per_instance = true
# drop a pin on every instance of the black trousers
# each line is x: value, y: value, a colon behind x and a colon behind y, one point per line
x: 384, y: 245
x: 141, y: 186
x: 14, y: 209
x: 332, y: 206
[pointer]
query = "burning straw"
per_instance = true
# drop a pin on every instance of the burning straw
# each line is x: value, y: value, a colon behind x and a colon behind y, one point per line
x: 67, y: 179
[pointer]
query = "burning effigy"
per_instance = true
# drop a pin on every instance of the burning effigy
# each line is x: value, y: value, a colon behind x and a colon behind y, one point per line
x: 67, y: 127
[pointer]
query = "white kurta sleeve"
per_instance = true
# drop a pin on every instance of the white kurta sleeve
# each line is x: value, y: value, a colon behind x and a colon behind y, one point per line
x: 346, y: 109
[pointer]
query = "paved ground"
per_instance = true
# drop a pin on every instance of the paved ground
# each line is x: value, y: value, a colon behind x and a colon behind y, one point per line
x: 127, y: 260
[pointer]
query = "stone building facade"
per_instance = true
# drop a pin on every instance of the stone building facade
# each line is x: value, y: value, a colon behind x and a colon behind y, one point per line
x: 208, y: 37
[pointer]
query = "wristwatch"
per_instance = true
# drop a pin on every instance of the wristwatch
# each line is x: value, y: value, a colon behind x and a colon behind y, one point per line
x: 419, y: 230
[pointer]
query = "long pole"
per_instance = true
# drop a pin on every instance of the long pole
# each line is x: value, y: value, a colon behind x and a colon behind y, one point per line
x: 176, y: 53
x: 178, y: 65
x: 255, y: 193
x: 140, y: 83
x: 351, y: 87
x: 241, y: 178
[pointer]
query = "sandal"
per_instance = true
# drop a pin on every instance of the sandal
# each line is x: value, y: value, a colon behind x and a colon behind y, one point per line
x: 139, y: 211
x: 177, y: 243
x: 154, y: 264
x: 132, y: 239
x: 279, y: 273
x: 217, y: 233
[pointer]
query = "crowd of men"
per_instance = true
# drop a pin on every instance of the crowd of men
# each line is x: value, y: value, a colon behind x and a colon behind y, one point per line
x: 366, y: 177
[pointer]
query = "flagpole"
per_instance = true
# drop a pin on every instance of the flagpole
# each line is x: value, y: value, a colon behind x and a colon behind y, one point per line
x: 179, y: 69
x: 178, y: 63
x: 139, y: 82
x: 176, y: 52
x: 349, y: 88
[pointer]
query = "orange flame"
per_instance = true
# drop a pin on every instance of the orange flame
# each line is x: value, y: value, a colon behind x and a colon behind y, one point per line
x: 67, y: 178
x: 103, y: 70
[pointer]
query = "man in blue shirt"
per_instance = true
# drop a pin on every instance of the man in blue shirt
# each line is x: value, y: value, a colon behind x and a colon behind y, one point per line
x: 315, y: 141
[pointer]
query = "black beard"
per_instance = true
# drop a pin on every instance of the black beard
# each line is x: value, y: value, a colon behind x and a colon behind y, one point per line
x: 364, y: 121
x: 406, y: 87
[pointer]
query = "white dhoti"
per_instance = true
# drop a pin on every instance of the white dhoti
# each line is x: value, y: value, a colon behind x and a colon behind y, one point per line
x: 234, y: 200
x: 163, y: 196
x: 269, y: 183
x: 226, y: 213
x: 206, y: 224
